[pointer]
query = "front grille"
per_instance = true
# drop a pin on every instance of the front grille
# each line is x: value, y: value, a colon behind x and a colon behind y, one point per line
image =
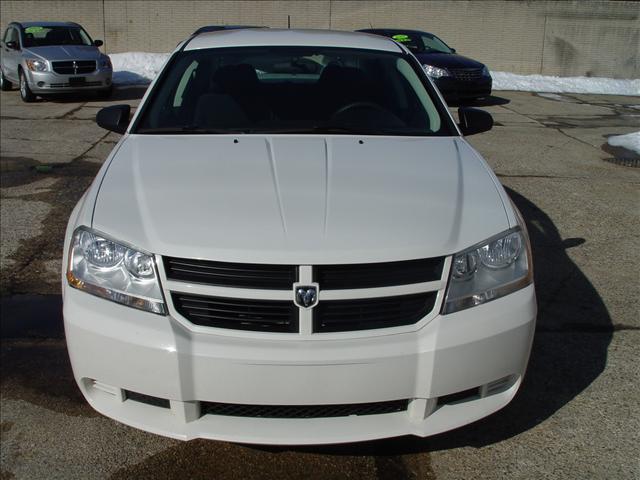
x: 369, y: 275
x: 302, y: 411
x: 371, y: 313
x: 80, y: 67
x: 237, y: 313
x: 466, y: 74
x: 243, y: 275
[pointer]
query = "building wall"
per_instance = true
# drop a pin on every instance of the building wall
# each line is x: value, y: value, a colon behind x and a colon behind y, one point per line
x: 588, y: 37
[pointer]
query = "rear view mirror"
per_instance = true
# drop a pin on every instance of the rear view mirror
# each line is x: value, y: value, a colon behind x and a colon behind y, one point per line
x: 98, y: 43
x: 474, y: 120
x: 12, y: 45
x: 114, y: 118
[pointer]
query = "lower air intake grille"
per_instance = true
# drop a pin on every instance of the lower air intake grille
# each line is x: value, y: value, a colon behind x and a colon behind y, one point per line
x: 370, y: 313
x: 238, y: 313
x: 302, y: 411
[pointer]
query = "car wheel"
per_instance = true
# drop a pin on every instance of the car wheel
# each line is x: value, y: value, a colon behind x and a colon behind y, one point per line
x: 5, y: 85
x: 25, y: 92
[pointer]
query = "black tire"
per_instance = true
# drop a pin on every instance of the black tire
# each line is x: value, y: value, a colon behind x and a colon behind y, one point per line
x: 25, y: 92
x: 5, y: 85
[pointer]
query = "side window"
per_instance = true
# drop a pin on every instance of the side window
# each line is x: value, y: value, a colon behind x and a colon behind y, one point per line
x: 5, y: 37
x: 12, y: 35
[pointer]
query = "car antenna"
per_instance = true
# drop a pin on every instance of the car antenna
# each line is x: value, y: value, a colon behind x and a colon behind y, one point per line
x: 289, y: 22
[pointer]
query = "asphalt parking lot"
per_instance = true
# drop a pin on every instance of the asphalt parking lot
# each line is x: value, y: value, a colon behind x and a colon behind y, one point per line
x: 576, y: 416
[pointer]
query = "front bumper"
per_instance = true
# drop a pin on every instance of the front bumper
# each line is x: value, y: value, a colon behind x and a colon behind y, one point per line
x: 453, y: 88
x: 52, y: 82
x: 114, y: 348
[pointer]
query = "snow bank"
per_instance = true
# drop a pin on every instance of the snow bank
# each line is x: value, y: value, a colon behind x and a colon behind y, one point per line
x: 543, y: 83
x: 139, y: 68
x: 135, y: 68
x: 630, y: 141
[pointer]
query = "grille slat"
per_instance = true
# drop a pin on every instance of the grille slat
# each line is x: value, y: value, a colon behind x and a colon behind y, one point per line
x: 466, y: 74
x: 371, y: 313
x: 238, y: 314
x: 371, y: 275
x: 302, y: 411
x: 68, y: 68
x: 280, y: 277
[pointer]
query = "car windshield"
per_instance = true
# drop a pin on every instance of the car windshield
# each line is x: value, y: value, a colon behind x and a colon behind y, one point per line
x: 293, y: 90
x: 421, y: 43
x: 45, y: 36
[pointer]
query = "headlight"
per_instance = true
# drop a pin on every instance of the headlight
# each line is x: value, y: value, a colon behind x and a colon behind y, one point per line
x: 109, y: 269
x: 436, y: 72
x: 489, y: 270
x: 485, y: 72
x: 37, y: 65
x: 105, y: 62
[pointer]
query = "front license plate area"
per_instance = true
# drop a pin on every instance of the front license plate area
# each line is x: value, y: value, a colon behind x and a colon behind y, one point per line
x: 77, y: 81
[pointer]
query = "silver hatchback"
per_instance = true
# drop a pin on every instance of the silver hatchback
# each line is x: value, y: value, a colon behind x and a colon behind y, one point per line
x: 52, y: 57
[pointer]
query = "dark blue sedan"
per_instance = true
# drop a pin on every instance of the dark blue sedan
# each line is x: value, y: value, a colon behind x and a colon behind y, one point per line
x: 456, y: 76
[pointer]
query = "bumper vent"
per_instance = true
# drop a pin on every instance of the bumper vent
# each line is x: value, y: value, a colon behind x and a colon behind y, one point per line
x: 370, y: 275
x: 371, y: 313
x: 302, y: 411
x: 76, y: 67
x: 243, y: 275
x: 238, y: 313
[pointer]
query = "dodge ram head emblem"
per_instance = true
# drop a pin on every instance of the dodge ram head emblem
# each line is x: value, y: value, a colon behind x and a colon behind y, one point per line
x: 305, y: 296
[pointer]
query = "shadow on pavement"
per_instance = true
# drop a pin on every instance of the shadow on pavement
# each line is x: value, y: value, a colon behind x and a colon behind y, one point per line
x: 129, y: 92
x: 489, y: 101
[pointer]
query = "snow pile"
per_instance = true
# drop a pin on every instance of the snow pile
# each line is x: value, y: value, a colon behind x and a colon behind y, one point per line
x: 543, y: 83
x: 140, y: 68
x: 135, y: 68
x: 630, y: 141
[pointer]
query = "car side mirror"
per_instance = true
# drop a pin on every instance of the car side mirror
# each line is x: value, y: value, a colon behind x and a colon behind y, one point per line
x: 453, y: 50
x: 114, y: 118
x: 12, y: 45
x: 98, y: 43
x: 474, y: 120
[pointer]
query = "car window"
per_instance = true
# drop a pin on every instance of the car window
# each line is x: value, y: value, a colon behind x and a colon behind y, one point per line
x: 12, y: 35
x: 291, y: 90
x: 43, y: 36
x: 434, y: 44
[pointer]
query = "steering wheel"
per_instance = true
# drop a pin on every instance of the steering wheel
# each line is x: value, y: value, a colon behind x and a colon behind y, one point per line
x: 359, y: 105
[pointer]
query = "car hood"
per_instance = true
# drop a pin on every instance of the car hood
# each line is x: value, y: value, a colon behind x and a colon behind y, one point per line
x: 298, y: 199
x: 65, y: 52
x: 448, y: 60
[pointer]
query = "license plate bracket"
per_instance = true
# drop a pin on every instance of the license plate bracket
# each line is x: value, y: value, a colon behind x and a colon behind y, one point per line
x: 76, y: 81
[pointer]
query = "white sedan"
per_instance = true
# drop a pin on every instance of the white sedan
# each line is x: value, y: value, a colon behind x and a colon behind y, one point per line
x: 293, y: 243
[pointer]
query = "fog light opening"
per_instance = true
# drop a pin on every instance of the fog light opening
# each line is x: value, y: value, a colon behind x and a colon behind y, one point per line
x: 41, y: 84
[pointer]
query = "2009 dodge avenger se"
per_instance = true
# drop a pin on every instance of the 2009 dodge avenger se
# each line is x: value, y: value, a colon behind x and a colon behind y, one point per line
x: 293, y: 243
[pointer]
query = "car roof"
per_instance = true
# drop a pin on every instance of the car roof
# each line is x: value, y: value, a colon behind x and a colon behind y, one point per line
x: 46, y: 24
x: 285, y: 37
x: 216, y: 28
x: 393, y: 31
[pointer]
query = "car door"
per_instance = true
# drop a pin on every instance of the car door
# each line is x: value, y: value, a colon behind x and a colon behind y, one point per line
x: 11, y: 56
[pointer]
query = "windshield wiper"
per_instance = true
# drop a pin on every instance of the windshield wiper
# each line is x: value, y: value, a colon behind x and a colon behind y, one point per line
x: 186, y: 130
